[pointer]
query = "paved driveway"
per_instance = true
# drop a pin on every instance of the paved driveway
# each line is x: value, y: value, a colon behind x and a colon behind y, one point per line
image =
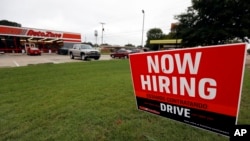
x: 16, y: 60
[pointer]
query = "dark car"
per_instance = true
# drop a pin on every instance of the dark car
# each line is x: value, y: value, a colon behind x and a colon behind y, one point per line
x: 121, y: 53
x: 136, y: 50
x: 63, y: 50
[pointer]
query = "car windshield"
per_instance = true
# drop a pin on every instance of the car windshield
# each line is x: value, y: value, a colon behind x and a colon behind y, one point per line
x: 86, y: 47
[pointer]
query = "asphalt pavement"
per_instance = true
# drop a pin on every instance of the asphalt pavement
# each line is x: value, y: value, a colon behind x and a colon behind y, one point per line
x: 18, y: 59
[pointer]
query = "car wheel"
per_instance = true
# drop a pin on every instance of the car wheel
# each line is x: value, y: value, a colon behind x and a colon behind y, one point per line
x: 112, y: 56
x: 125, y: 57
x: 97, y: 58
x: 71, y: 56
x: 83, y: 56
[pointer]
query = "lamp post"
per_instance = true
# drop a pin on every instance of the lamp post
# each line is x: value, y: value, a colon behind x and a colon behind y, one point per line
x: 96, y: 34
x: 143, y: 12
x: 102, y: 30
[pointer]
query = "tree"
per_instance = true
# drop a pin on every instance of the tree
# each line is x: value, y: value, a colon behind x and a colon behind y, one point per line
x: 89, y: 43
x: 129, y: 45
x: 9, y: 23
x: 214, y: 22
x: 154, y: 34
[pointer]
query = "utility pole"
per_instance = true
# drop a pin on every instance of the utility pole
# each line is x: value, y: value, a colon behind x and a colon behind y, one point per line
x: 102, y: 23
x: 143, y: 12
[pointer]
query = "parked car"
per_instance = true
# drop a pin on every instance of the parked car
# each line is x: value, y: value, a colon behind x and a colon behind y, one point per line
x: 248, y: 49
x: 63, y: 50
x: 31, y: 49
x: 121, y: 53
x: 136, y: 50
x: 84, y: 51
x: 247, y: 41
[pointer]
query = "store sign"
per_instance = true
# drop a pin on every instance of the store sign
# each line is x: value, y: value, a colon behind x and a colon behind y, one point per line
x: 197, y: 86
x: 43, y: 34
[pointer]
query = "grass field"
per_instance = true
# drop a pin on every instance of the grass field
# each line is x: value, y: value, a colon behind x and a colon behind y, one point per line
x: 87, y: 101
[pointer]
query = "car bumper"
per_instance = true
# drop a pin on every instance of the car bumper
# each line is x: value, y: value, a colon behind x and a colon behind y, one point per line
x: 35, y: 53
x: 93, y: 56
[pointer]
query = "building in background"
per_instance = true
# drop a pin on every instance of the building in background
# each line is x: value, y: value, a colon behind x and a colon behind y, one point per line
x: 167, y: 43
x: 173, y: 43
x: 12, y: 39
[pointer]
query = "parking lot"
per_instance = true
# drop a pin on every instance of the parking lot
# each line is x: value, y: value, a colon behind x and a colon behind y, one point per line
x: 248, y: 61
x: 16, y: 60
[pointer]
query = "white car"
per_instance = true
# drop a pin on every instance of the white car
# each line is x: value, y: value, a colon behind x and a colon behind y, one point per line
x: 248, y: 44
x: 84, y: 51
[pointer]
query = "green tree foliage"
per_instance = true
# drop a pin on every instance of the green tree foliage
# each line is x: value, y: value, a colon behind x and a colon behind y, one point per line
x: 10, y: 23
x: 129, y: 45
x: 211, y: 22
x: 154, y: 34
x: 89, y: 43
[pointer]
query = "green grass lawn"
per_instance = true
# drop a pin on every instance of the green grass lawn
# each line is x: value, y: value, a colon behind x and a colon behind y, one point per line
x: 87, y: 101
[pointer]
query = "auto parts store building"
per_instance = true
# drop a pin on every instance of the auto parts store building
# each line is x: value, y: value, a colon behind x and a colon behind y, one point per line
x: 12, y: 39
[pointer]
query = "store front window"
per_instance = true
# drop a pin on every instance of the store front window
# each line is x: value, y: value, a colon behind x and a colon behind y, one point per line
x: 11, y: 44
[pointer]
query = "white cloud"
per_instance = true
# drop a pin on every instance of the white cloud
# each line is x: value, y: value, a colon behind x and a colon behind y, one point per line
x: 123, y: 19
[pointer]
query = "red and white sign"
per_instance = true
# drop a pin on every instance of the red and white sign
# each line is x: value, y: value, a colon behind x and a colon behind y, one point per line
x: 196, y: 86
x: 40, y: 33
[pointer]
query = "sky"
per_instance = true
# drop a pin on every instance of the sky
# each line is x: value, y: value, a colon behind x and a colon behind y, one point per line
x: 123, y: 19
